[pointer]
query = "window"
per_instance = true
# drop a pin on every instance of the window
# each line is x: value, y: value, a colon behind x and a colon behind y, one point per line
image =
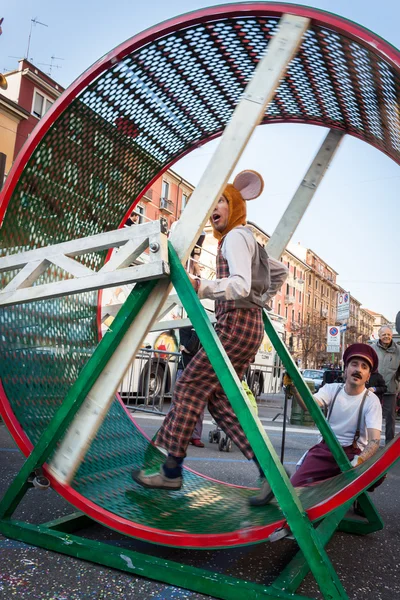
x: 102, y: 144
x: 279, y: 308
x: 294, y: 272
x: 292, y: 315
x: 299, y: 318
x: 41, y: 104
x: 316, y: 284
x: 43, y: 157
x: 75, y: 128
x: 98, y: 188
x: 309, y: 280
x: 308, y: 299
x: 71, y: 173
x: 165, y: 189
x: 299, y: 296
x: 315, y: 303
x: 140, y: 209
x: 184, y: 201
x: 286, y: 312
x: 287, y: 289
x: 116, y: 175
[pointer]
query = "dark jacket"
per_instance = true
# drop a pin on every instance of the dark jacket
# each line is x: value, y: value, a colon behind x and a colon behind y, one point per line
x: 188, y: 338
x: 389, y: 364
x: 376, y: 380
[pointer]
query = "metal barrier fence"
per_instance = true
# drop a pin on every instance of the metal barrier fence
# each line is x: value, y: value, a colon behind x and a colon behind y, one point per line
x: 265, y: 379
x: 150, y: 380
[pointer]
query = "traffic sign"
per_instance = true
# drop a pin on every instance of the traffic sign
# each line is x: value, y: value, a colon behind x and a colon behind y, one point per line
x: 343, y: 307
x: 333, y: 339
x: 333, y: 349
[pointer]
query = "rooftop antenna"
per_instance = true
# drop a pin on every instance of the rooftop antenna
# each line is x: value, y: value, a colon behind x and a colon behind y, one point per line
x: 33, y: 22
x: 52, y: 65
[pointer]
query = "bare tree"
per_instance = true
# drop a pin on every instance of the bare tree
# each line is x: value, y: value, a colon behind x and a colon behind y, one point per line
x: 311, y: 336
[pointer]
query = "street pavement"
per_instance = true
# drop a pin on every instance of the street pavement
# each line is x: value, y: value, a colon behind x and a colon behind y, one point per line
x: 367, y: 566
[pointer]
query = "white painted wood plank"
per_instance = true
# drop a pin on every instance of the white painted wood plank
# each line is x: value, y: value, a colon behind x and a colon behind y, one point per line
x: 96, y: 281
x: 71, y: 266
x: 27, y: 276
x: 304, y: 194
x: 125, y: 255
x: 94, y: 243
x: 247, y: 115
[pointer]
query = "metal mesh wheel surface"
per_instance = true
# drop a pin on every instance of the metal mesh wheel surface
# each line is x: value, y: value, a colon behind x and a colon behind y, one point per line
x: 139, y: 109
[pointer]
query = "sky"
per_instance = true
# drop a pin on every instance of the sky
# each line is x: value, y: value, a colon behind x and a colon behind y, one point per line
x: 353, y: 220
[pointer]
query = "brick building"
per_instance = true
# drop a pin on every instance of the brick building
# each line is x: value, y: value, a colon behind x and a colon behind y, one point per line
x: 366, y: 325
x: 34, y: 92
x: 378, y: 321
x: 11, y: 115
x: 289, y: 301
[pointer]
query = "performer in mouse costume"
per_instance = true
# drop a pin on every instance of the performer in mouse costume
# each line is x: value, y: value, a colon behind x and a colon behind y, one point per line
x: 246, y: 281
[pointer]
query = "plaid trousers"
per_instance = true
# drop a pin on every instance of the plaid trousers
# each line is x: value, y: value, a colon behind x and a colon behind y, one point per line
x: 240, y: 332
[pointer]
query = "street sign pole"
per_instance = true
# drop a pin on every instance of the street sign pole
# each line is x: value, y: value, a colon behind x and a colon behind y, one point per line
x: 343, y: 342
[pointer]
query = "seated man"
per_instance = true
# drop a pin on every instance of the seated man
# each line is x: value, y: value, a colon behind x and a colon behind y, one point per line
x: 246, y: 279
x: 354, y: 414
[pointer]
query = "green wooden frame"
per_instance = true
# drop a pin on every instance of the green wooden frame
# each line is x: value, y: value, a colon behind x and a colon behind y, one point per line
x: 57, y: 535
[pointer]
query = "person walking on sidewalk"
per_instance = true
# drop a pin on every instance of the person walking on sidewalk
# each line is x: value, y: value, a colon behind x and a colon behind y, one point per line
x: 389, y: 366
x: 189, y: 345
x: 245, y: 281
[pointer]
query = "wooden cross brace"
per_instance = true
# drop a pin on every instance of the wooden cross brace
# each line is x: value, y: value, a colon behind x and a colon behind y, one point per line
x: 131, y: 242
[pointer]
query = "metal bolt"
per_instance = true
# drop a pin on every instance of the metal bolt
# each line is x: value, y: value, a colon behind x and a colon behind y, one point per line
x: 154, y: 247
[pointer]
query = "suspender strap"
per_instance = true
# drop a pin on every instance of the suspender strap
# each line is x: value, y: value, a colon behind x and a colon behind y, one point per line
x: 357, y: 433
x: 333, y: 401
x: 360, y: 410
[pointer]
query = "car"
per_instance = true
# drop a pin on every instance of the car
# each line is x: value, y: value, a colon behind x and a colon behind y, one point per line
x: 315, y: 376
x: 333, y: 376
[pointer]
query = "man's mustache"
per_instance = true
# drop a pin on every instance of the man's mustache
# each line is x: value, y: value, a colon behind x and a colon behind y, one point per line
x: 356, y: 374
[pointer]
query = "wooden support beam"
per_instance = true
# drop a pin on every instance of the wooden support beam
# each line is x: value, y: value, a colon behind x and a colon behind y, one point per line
x: 304, y: 194
x: 130, y: 243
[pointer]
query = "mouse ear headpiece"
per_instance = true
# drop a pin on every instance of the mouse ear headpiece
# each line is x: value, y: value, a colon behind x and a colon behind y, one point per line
x: 250, y: 184
x: 246, y: 186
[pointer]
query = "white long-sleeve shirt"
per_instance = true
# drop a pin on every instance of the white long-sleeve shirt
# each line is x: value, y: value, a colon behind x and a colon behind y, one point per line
x: 238, y: 249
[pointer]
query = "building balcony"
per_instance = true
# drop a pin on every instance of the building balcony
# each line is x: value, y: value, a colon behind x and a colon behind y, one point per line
x: 148, y: 196
x: 289, y: 299
x: 167, y: 205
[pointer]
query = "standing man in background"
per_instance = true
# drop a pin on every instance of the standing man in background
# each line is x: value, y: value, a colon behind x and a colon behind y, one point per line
x: 389, y: 366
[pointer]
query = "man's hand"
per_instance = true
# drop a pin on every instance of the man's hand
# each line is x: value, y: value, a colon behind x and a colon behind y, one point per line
x: 356, y: 461
x: 374, y: 438
x: 195, y: 283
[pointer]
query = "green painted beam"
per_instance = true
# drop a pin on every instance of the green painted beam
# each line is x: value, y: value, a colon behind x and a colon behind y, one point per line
x: 70, y: 523
x: 285, y: 494
x: 172, y: 573
x: 76, y: 395
x: 304, y: 391
x: 294, y: 573
x: 372, y: 523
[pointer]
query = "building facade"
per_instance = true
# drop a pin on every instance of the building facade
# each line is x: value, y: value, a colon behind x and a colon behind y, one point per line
x: 366, y: 325
x: 34, y: 92
x: 165, y: 199
x: 378, y: 321
x: 11, y: 115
